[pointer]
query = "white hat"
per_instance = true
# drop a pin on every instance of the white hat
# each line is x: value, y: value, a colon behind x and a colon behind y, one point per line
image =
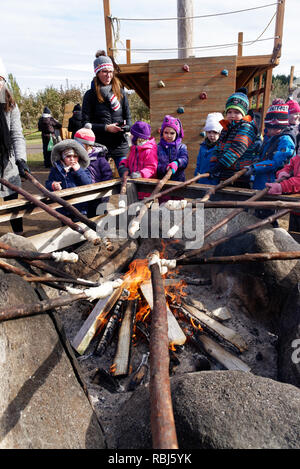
x: 213, y: 122
x: 3, y: 72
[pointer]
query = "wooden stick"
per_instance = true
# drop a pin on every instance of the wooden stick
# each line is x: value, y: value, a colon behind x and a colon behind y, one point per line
x: 274, y: 204
x: 139, y: 374
x: 123, y: 189
x: 65, y: 220
x: 53, y: 196
x: 253, y: 257
x: 234, y: 213
x: 162, y: 417
x: 246, y: 229
x: 123, y: 353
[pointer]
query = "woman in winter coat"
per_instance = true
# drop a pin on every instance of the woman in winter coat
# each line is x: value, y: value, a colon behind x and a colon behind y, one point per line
x: 75, y: 120
x: 106, y: 107
x: 70, y: 161
x: 12, y: 146
x: 47, y: 125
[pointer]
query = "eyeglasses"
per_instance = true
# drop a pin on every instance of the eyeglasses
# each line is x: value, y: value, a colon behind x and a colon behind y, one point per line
x: 107, y: 72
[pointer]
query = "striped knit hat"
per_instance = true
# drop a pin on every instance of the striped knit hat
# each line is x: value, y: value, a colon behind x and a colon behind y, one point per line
x: 102, y: 62
x: 238, y: 101
x: 277, y: 115
x: 85, y: 135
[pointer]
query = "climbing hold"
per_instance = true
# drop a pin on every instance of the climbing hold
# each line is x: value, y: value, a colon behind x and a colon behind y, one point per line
x: 203, y: 95
x: 224, y: 72
x: 161, y: 84
x: 186, y: 68
x: 180, y: 110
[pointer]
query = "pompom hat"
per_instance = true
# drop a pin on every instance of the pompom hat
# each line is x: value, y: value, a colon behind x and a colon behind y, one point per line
x: 141, y: 129
x: 213, y: 122
x: 102, y: 62
x: 85, y: 135
x: 294, y: 107
x: 277, y: 115
x: 238, y: 101
x: 174, y: 123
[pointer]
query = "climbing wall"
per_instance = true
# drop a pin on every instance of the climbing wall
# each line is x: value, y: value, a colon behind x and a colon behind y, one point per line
x: 190, y: 93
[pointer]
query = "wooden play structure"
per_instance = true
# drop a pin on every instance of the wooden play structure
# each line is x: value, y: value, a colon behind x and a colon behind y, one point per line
x: 190, y: 93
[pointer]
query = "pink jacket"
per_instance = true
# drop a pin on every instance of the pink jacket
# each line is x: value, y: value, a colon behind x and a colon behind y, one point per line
x: 142, y: 158
x: 292, y: 171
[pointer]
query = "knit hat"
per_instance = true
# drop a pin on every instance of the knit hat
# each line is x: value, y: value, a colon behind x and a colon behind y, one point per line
x: 174, y: 123
x: 85, y: 135
x: 277, y: 115
x: 294, y: 107
x: 77, y: 108
x: 141, y: 129
x: 46, y: 110
x: 3, y: 72
x: 102, y: 62
x: 238, y: 101
x: 213, y: 122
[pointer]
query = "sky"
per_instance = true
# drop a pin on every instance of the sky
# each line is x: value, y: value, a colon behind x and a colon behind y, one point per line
x: 53, y: 43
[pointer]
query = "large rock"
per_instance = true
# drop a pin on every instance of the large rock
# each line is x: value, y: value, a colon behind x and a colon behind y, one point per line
x: 263, y: 287
x: 219, y: 410
x: 42, y: 404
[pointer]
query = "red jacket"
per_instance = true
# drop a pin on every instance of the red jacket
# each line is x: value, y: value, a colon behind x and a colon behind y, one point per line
x: 292, y: 170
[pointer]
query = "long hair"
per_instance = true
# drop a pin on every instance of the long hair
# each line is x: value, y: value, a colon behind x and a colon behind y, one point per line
x: 115, y: 86
x: 9, y: 101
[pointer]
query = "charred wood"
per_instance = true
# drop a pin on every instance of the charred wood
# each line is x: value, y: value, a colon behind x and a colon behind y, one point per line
x: 140, y: 374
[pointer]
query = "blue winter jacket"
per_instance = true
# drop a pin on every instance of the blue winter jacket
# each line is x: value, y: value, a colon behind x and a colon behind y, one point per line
x: 70, y: 179
x: 167, y: 154
x: 275, y: 153
x: 203, y: 162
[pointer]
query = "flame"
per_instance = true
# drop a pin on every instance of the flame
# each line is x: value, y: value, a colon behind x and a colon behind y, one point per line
x: 172, y: 346
x: 196, y: 326
x: 138, y: 273
x: 113, y: 368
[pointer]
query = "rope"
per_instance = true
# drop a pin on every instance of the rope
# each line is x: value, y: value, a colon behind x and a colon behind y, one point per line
x: 195, y: 17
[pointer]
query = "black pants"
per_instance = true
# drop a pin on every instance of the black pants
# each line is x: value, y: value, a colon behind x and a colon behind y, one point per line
x: 16, y: 223
x: 294, y: 224
x: 46, y: 153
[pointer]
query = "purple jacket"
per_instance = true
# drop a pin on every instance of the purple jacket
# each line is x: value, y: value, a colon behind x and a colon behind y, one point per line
x: 166, y: 154
x: 99, y: 167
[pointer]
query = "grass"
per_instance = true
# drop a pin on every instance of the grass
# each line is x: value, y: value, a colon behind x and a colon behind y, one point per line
x: 33, y: 136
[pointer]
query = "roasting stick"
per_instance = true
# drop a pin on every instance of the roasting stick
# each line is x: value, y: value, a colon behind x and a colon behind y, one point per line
x: 248, y: 257
x: 162, y: 418
x: 135, y: 223
x: 88, y: 234
x: 12, y: 253
x: 212, y: 190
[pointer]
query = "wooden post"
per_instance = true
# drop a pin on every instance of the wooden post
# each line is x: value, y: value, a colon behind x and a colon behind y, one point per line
x: 128, y: 51
x: 291, y: 77
x: 240, y: 44
x: 259, y: 87
x: 279, y: 28
x: 266, y: 98
x: 185, y: 10
x: 108, y: 28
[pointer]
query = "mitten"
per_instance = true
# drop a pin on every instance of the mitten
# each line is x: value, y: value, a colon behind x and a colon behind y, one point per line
x: 22, y: 167
x: 275, y: 188
x: 173, y: 166
x: 282, y: 175
x: 135, y: 174
x: 215, y: 172
x: 122, y: 169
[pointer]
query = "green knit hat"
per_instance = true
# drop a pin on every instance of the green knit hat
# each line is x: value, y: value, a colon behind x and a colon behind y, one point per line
x: 238, y: 101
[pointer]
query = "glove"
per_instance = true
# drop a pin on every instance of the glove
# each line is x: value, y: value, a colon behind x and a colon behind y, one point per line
x: 215, y: 172
x: 173, y: 166
x: 125, y: 128
x: 22, y: 167
x: 122, y: 169
x: 275, y: 188
x: 250, y: 171
x: 135, y: 174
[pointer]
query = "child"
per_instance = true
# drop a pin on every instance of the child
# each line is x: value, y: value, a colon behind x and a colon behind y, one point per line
x: 213, y: 129
x: 233, y: 150
x: 294, y: 119
x: 142, y: 158
x: 171, y: 152
x: 70, y: 161
x: 99, y: 167
x: 288, y: 182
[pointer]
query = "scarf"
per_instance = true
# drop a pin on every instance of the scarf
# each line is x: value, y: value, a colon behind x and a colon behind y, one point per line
x: 108, y: 94
x: 5, y: 141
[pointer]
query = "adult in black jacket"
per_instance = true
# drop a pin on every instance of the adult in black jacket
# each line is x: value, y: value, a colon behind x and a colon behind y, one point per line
x: 47, y: 125
x: 75, y: 120
x: 105, y: 106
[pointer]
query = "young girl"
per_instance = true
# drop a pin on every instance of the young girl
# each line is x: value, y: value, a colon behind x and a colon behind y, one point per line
x: 70, y: 161
x: 171, y: 152
x: 213, y: 129
x: 142, y: 158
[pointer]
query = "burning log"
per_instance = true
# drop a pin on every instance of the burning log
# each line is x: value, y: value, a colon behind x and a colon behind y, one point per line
x: 252, y: 257
x: 175, y: 333
x: 212, y: 348
x: 88, y: 234
x: 24, y: 310
x: 140, y: 373
x: 225, y: 332
x: 122, y: 357
x: 95, y: 320
x: 162, y: 418
x: 53, y: 196
x: 234, y: 213
x: 135, y: 223
x: 111, y: 326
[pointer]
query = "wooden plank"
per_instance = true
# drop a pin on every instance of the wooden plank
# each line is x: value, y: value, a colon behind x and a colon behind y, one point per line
x: 108, y: 27
x: 121, y: 363
x: 175, y: 333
